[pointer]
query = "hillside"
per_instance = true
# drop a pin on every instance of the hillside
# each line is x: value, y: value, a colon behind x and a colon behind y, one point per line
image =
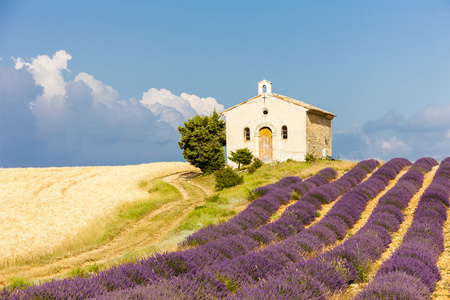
x: 60, y: 222
x: 381, y: 212
x: 64, y: 210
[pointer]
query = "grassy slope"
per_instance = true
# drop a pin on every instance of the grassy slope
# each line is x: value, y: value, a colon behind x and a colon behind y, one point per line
x: 92, y: 238
x: 156, y: 224
x: 234, y: 200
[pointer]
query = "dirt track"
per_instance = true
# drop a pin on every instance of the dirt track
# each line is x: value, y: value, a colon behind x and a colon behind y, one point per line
x: 44, y: 207
x: 146, y: 232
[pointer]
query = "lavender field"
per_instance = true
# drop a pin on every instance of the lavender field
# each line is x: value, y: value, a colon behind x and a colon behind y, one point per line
x: 375, y: 232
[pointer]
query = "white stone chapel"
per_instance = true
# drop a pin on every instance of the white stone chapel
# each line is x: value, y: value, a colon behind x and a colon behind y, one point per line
x: 277, y: 128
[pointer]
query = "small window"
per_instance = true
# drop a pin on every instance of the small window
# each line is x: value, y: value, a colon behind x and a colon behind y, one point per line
x: 265, y: 111
x: 246, y: 134
x: 284, y: 132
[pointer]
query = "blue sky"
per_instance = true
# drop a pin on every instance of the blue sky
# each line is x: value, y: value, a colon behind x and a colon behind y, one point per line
x: 107, y: 82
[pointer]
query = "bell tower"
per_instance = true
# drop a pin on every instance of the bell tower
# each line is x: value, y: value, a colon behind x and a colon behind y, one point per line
x: 264, y: 87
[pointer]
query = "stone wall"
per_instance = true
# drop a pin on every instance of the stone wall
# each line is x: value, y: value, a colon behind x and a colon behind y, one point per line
x: 318, y: 134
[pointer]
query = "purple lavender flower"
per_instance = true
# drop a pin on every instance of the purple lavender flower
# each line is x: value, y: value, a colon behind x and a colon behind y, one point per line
x: 424, y: 164
x: 386, y: 220
x: 262, y: 235
x: 303, y: 187
x: 389, y: 208
x: 321, y: 195
x: 327, y: 273
x: 305, y: 242
x: 336, y: 224
x: 193, y: 286
x: 432, y: 195
x: 395, y: 285
x: 376, y: 230
x: 291, y: 286
x: 74, y: 288
x: 429, y: 275
x: 413, y: 263
x: 325, y: 234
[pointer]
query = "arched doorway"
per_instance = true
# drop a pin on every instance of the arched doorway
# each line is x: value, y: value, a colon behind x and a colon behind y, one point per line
x: 265, y: 143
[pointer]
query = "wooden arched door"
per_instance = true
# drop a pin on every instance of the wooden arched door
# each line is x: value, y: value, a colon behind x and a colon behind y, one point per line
x: 265, y: 143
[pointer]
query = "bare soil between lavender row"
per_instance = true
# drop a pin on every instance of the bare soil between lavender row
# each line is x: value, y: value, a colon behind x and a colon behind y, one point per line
x: 152, y: 233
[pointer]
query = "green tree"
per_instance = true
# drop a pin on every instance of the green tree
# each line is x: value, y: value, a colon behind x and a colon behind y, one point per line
x: 242, y: 156
x: 202, y: 141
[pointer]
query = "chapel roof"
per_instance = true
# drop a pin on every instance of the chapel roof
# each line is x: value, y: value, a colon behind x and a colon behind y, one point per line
x: 309, y: 107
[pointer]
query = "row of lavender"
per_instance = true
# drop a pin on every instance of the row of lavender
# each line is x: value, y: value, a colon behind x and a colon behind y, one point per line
x: 344, y: 265
x: 241, y: 234
x: 411, y: 272
x: 275, y: 258
x: 304, y: 211
x: 167, y: 265
x: 218, y: 280
x: 291, y: 222
x: 259, y: 211
x: 173, y: 264
x: 335, y: 269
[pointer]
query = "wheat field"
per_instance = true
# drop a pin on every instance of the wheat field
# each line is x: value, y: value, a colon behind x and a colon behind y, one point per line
x: 44, y: 207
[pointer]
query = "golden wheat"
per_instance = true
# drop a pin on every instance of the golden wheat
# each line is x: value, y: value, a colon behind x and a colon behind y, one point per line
x: 42, y: 207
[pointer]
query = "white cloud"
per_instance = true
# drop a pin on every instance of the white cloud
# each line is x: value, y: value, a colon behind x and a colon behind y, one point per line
x: 84, y: 121
x: 389, y: 121
x: 47, y: 72
x: 155, y: 98
x: 202, y: 106
x: 394, y: 145
x: 81, y: 131
x: 385, y: 145
x: 426, y: 133
x: 167, y: 114
x: 432, y: 117
x: 101, y: 92
x: 163, y: 103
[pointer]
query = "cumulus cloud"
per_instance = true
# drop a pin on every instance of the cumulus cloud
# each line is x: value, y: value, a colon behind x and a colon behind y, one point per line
x: 46, y: 120
x: 174, y: 109
x: 394, y: 144
x: 47, y: 72
x: 426, y: 133
x: 432, y: 118
x: 391, y: 120
x: 17, y: 124
x: 202, y: 106
x: 101, y: 93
